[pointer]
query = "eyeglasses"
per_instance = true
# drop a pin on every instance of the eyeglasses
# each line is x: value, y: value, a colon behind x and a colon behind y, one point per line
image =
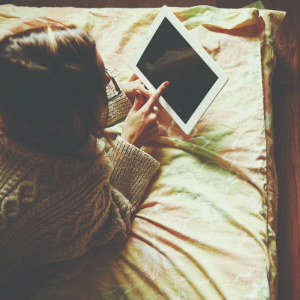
x: 118, y: 90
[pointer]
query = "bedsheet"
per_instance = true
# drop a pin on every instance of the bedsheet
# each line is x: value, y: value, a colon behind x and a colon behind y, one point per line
x: 206, y: 228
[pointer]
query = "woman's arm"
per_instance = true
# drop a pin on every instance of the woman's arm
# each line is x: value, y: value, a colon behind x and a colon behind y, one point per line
x: 133, y: 168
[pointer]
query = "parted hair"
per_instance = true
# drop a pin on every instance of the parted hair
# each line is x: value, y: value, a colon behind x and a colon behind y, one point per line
x: 52, y: 93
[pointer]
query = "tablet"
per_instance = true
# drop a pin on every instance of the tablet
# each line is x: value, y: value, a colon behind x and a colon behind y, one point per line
x: 168, y: 52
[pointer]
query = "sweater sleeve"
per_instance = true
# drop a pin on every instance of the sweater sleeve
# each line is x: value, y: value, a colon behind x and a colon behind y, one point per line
x: 133, y: 170
x: 119, y: 107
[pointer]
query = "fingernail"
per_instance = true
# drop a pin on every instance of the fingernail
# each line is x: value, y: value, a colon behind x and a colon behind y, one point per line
x: 166, y: 83
x: 136, y: 93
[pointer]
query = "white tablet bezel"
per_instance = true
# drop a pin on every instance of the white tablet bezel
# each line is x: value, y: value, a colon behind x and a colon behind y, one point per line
x: 165, y: 12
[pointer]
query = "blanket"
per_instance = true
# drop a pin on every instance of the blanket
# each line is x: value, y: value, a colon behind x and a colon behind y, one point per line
x: 206, y: 228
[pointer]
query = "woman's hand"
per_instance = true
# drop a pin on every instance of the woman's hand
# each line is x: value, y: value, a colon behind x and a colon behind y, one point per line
x: 141, y: 123
x: 129, y: 89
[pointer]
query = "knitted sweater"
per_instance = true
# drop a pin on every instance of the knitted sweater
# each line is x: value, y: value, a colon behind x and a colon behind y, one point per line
x: 54, y: 208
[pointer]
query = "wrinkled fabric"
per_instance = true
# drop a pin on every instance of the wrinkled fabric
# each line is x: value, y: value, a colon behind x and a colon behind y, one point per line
x: 207, y: 226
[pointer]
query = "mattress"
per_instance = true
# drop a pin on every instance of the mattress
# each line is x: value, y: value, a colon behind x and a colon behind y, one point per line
x: 206, y: 227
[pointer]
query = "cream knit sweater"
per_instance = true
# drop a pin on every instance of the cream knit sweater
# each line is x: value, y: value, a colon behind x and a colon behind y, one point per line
x: 54, y: 208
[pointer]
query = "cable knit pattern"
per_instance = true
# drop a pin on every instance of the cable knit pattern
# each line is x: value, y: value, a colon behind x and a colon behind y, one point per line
x: 54, y: 207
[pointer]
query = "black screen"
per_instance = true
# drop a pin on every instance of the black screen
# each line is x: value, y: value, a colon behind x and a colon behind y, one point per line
x: 169, y: 57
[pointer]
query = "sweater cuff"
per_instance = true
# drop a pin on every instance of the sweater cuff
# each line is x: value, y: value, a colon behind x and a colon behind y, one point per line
x: 119, y: 107
x: 133, y: 170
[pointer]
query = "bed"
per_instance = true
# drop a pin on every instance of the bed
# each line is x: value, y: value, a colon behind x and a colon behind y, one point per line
x: 206, y: 228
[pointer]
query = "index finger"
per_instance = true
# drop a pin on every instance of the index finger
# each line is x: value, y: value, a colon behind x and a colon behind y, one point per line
x: 148, y: 105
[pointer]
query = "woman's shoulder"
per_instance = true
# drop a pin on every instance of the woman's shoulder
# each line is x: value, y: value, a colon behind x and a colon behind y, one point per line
x: 31, y: 179
x: 23, y: 159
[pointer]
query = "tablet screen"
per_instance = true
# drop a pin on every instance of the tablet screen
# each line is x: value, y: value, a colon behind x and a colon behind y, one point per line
x: 169, y: 57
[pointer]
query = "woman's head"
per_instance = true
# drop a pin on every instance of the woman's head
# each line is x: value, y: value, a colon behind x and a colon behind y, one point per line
x: 52, y: 88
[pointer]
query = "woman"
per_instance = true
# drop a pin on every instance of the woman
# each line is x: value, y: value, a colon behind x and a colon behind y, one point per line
x: 61, y: 192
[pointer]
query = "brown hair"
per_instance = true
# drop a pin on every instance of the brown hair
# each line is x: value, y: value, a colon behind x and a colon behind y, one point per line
x: 52, y: 93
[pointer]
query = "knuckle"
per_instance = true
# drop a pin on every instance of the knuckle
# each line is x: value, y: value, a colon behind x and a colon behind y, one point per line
x: 144, y: 115
x: 155, y: 96
x: 152, y: 117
